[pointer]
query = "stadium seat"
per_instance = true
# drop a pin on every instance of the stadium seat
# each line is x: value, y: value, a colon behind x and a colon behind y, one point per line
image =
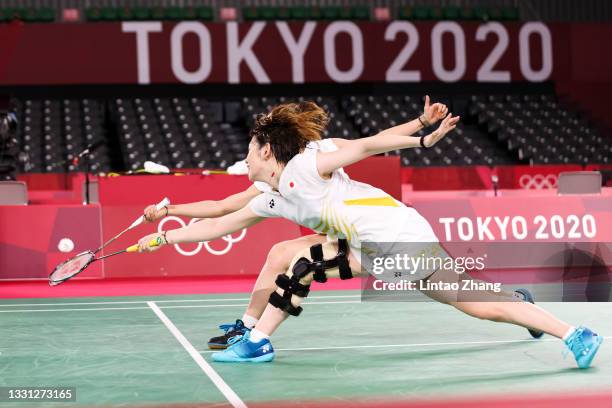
x: 481, y: 13
x: 299, y: 13
x: 360, y: 13
x: 422, y: 12
x: 331, y: 12
x: 158, y: 13
x: 250, y: 13
x: 125, y: 13
x: 13, y: 13
x: 93, y: 14
x: 109, y: 14
x: 467, y: 13
x: 141, y: 13
x: 451, y: 12
x: 510, y: 13
x: 205, y: 13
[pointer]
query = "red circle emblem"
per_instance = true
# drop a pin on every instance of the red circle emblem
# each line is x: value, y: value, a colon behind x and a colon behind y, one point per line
x: 291, y: 184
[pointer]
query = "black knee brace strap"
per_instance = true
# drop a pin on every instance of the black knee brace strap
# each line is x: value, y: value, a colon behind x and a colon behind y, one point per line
x: 319, y: 265
x: 342, y: 259
x: 284, y: 303
x: 292, y: 286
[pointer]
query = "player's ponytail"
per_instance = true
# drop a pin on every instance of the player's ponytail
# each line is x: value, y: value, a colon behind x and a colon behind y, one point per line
x: 289, y: 127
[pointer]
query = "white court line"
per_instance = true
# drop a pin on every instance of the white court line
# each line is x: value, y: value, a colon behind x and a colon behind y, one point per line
x: 305, y: 303
x: 162, y: 301
x: 71, y: 310
x: 95, y: 309
x: 225, y: 389
x: 369, y: 346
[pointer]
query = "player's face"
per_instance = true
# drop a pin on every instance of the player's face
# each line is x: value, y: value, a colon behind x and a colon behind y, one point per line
x: 254, y: 160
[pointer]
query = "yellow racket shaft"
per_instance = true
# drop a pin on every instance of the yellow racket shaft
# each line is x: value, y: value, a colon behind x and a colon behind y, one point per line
x: 153, y: 243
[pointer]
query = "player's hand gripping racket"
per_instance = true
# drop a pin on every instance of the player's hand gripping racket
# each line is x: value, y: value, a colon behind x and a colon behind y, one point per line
x: 80, y: 262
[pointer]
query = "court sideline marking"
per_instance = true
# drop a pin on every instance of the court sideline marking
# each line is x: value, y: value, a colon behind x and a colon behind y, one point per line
x: 96, y: 309
x: 225, y: 389
x: 126, y: 302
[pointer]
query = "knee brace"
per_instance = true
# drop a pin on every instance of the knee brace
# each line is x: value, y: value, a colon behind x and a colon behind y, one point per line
x: 292, y: 286
x: 318, y: 265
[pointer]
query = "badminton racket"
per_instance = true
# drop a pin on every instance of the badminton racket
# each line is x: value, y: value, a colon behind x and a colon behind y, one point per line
x: 80, y: 262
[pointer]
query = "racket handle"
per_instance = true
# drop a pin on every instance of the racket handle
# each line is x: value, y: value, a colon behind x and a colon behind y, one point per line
x: 153, y: 243
x: 159, y: 206
x: 162, y: 203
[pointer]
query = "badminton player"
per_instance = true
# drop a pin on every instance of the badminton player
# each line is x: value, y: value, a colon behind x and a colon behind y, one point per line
x: 309, y: 190
x: 280, y: 255
x: 278, y: 259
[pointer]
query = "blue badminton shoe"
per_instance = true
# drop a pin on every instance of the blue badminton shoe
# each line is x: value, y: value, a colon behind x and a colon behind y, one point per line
x: 230, y: 331
x: 583, y: 343
x: 243, y: 350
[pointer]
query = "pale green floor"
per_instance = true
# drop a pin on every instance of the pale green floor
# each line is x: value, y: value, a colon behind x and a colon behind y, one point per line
x: 419, y: 349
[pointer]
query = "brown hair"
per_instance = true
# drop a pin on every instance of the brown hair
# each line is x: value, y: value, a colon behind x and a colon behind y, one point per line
x: 289, y: 127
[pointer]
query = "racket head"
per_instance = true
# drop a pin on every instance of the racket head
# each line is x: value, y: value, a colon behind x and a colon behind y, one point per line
x: 71, y: 267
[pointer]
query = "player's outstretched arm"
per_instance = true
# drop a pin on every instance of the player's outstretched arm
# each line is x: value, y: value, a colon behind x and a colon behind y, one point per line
x: 352, y: 151
x: 204, y: 230
x: 432, y: 113
x: 204, y: 209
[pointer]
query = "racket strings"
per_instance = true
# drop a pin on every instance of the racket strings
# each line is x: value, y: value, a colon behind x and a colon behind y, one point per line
x: 71, y: 267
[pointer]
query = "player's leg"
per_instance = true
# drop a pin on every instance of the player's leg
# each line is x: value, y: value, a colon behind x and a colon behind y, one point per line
x: 255, y: 346
x: 274, y: 316
x: 508, y: 308
x: 496, y: 306
x: 277, y: 262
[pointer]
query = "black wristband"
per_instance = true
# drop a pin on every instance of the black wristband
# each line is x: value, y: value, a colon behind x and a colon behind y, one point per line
x: 164, y: 235
x: 422, y: 141
x: 422, y: 123
x: 166, y: 207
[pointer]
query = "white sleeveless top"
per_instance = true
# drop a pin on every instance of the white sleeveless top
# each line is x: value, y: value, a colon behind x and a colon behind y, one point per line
x: 325, y: 145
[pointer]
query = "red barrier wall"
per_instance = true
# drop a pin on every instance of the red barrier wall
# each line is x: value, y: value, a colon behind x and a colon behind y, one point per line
x: 29, y: 237
x: 541, y: 177
x: 29, y: 234
x: 383, y: 172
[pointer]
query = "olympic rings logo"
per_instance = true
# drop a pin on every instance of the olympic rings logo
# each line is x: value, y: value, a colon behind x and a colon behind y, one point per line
x: 227, y: 238
x: 538, y: 181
